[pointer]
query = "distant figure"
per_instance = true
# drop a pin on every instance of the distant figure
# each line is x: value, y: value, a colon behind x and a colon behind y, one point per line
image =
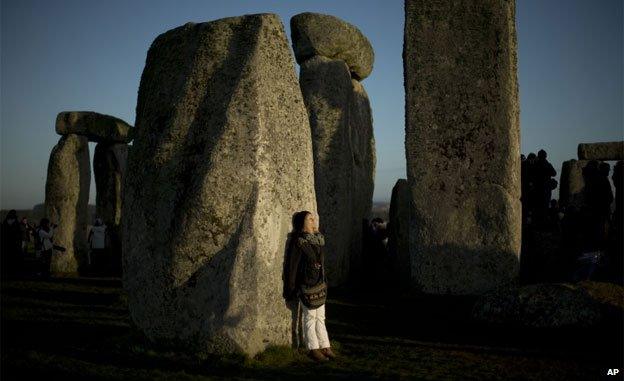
x: 375, y: 255
x: 544, y: 183
x: 305, y: 280
x: 11, y: 241
x: 524, y: 191
x: 528, y: 187
x: 25, y: 231
x: 46, y: 236
x: 380, y: 244
x: 97, y: 244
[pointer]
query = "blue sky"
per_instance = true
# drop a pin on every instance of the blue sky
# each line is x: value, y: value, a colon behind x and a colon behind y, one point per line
x: 89, y: 55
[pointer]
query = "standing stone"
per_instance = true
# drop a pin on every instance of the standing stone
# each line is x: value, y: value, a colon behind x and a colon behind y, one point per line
x: 572, y: 183
x: 109, y: 166
x: 462, y: 144
x: 398, y: 240
x: 222, y: 159
x: 342, y: 133
x: 67, y: 201
x: 601, y: 151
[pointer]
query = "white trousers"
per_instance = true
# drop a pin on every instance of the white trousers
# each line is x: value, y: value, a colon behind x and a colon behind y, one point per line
x: 314, y: 331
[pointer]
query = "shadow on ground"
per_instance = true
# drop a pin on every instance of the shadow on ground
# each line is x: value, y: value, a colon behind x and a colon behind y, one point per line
x: 80, y: 329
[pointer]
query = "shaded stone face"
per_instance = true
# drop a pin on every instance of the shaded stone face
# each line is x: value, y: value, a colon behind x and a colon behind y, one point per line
x: 363, y: 166
x: 601, y: 151
x: 344, y: 159
x: 109, y: 165
x: 221, y: 161
x: 326, y: 87
x: 97, y: 127
x: 398, y: 239
x: 462, y: 144
x: 67, y: 199
x: 315, y: 34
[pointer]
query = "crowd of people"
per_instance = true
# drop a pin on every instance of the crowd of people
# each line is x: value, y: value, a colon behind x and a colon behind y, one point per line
x: 23, y: 241
x: 586, y: 231
x: 538, y: 183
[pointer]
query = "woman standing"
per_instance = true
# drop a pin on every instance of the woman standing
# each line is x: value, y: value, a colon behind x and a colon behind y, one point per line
x: 46, y: 237
x: 305, y: 281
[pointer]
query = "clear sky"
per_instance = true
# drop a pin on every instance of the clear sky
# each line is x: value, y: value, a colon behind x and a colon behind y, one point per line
x: 89, y: 55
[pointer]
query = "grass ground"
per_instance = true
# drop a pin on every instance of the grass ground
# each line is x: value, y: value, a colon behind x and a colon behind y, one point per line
x: 80, y: 329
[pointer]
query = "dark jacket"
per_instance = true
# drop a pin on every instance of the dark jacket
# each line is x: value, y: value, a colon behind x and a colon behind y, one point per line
x: 304, y: 266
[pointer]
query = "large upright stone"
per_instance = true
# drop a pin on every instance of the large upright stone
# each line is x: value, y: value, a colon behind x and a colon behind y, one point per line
x: 398, y: 239
x: 601, y: 151
x: 97, y: 127
x: 462, y: 144
x: 67, y: 201
x: 315, y: 34
x: 344, y: 159
x: 109, y: 166
x: 572, y: 183
x: 221, y: 161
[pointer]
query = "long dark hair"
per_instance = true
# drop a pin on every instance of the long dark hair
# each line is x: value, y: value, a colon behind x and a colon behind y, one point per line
x: 299, y: 222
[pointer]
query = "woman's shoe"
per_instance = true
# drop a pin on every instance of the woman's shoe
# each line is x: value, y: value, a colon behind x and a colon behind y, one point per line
x: 327, y: 352
x: 317, y: 355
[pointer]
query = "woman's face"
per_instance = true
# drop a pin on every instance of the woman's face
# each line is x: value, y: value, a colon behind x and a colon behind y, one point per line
x: 309, y: 223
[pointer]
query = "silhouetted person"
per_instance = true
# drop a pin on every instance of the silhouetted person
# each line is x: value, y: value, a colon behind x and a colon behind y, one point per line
x: 524, y: 184
x: 375, y: 252
x: 11, y: 241
x: 528, y: 187
x: 544, y: 184
x: 26, y: 232
x: 98, y: 238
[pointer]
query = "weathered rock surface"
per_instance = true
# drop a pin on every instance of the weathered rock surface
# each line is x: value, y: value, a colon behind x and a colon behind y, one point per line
x: 315, y: 34
x: 109, y: 166
x: 221, y: 160
x: 462, y: 144
x: 572, y: 183
x: 97, y: 127
x: 551, y: 305
x: 344, y: 159
x: 67, y: 199
x: 601, y: 151
x: 398, y: 239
